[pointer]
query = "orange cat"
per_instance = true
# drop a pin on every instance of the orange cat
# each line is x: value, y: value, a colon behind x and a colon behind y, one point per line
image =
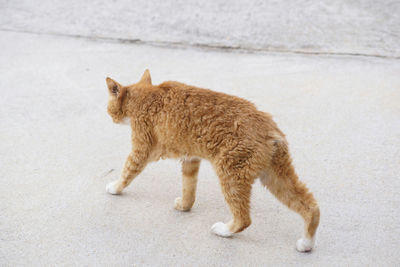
x: 174, y: 120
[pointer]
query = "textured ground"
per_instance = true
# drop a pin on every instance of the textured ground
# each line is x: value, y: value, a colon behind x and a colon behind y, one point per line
x: 339, y: 26
x: 59, y: 149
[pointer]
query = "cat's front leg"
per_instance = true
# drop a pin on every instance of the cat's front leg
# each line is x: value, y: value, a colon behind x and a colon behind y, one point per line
x: 190, y: 169
x: 134, y: 164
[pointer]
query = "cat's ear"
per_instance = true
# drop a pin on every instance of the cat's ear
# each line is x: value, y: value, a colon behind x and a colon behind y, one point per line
x: 114, y: 88
x: 146, y: 78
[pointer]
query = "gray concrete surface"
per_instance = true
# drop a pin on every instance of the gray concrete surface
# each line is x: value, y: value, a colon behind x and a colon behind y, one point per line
x: 339, y: 26
x: 59, y: 149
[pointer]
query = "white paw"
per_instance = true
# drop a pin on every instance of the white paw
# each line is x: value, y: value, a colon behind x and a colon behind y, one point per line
x: 112, y: 188
x: 221, y: 229
x: 178, y: 204
x: 305, y: 244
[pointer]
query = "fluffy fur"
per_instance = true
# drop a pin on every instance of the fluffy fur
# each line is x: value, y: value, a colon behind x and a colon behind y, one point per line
x: 175, y: 120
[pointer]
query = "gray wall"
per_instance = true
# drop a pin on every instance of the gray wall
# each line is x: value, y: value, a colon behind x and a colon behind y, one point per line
x: 341, y: 26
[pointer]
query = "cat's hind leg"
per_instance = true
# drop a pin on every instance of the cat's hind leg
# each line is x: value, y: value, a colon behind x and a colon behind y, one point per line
x: 190, y: 170
x: 283, y: 182
x: 236, y: 192
x: 134, y: 164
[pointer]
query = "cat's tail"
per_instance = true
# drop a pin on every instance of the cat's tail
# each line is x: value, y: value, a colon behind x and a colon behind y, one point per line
x: 282, y: 180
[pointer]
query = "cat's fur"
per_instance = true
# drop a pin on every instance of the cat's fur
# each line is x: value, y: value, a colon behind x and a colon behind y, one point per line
x: 175, y: 120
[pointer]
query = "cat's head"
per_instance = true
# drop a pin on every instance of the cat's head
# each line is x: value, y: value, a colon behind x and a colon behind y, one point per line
x: 119, y: 97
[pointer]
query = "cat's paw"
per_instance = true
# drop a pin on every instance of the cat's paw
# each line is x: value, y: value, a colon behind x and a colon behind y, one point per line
x: 112, y: 188
x: 221, y: 229
x: 178, y: 205
x: 305, y: 244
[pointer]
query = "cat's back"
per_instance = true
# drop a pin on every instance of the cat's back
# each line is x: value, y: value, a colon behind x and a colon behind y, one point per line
x: 192, y: 106
x: 188, y: 95
x: 196, y: 119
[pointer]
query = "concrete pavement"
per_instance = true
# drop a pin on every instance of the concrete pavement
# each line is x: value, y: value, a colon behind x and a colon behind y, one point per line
x: 59, y: 149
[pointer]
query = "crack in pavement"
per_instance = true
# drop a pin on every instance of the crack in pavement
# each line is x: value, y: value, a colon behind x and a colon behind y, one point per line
x: 215, y: 47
